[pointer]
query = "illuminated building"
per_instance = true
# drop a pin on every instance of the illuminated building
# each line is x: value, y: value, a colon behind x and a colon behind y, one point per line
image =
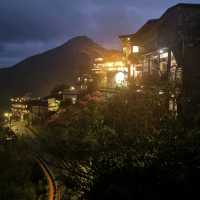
x: 168, y: 49
x: 53, y: 104
x: 19, y: 107
x: 70, y: 93
x: 30, y: 109
x: 8, y: 118
x: 39, y: 110
x: 84, y: 80
x: 111, y: 73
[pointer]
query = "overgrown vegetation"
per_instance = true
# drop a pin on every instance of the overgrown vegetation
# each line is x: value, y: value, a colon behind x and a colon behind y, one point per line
x: 128, y: 147
x: 20, y: 176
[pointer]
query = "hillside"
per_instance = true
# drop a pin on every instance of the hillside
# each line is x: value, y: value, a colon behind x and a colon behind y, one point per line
x: 40, y: 73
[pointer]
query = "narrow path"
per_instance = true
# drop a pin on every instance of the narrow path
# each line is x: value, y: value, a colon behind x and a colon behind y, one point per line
x: 53, y: 191
x: 51, y: 183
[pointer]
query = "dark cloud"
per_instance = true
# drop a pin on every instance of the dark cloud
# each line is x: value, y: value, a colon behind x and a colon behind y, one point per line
x: 32, y: 26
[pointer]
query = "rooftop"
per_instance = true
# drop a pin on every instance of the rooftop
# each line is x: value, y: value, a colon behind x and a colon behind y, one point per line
x: 164, y: 29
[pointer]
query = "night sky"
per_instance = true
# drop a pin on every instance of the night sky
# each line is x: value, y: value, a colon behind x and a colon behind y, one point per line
x: 32, y: 26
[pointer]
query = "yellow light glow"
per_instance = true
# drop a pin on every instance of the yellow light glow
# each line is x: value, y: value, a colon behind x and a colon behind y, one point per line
x: 161, y: 92
x: 72, y: 88
x: 124, y: 49
x: 164, y: 55
x: 132, y: 70
x: 114, y: 64
x: 98, y: 59
x: 7, y: 115
x: 135, y: 49
x: 120, y: 78
x: 74, y: 99
x: 161, y: 51
x: 109, y: 64
x: 119, y: 63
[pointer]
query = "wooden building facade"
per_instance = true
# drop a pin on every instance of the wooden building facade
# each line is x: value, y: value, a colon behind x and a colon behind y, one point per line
x: 168, y: 49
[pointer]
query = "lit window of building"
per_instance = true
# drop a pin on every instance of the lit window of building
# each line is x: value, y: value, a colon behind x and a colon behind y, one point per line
x: 120, y: 78
x: 135, y: 49
x: 74, y: 100
x: 111, y: 73
x: 72, y: 88
x: 53, y: 104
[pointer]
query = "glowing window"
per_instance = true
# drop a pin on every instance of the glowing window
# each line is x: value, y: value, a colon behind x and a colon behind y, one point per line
x: 135, y: 49
x: 120, y: 78
x: 164, y: 55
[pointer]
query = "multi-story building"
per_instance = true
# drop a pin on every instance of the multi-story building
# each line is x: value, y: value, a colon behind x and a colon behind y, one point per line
x: 30, y: 109
x: 66, y: 93
x: 168, y: 48
x: 110, y: 72
x: 19, y: 107
x: 38, y: 110
x: 71, y: 94
x: 83, y: 81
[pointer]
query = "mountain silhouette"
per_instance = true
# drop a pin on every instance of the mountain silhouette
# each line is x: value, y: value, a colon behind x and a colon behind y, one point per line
x: 40, y: 73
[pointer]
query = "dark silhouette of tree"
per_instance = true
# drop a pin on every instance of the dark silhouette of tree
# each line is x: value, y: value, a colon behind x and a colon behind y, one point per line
x: 128, y: 147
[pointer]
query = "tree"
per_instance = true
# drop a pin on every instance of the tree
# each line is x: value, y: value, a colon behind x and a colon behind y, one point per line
x: 18, y: 182
x: 98, y: 145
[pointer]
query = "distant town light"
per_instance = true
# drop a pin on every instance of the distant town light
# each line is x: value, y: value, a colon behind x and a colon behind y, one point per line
x: 74, y: 99
x: 172, y: 95
x: 124, y: 49
x: 164, y: 55
x: 109, y: 64
x: 72, y: 88
x: 135, y: 49
x: 138, y: 90
x: 98, y: 59
x: 113, y: 65
x: 7, y: 114
x: 53, y: 104
x: 161, y: 92
x: 120, y: 78
x: 163, y: 50
x: 118, y: 63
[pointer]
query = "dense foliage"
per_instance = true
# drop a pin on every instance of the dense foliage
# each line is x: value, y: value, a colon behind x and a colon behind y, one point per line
x: 20, y: 176
x: 128, y: 147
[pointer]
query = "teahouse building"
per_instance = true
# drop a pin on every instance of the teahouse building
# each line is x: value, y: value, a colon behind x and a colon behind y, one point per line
x: 168, y: 48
